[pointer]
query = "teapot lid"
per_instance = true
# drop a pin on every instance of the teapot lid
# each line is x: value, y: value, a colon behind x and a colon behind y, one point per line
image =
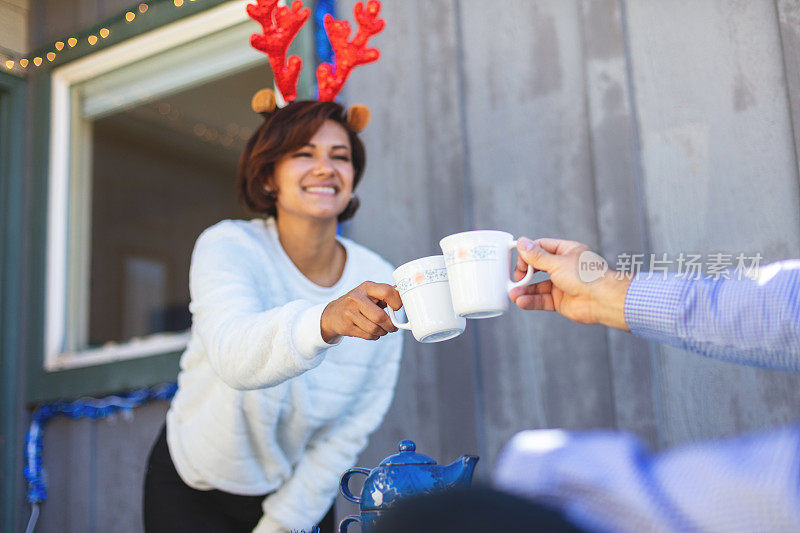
x: 407, y: 456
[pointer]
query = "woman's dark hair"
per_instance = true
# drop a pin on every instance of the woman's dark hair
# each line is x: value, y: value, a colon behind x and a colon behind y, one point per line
x: 284, y: 131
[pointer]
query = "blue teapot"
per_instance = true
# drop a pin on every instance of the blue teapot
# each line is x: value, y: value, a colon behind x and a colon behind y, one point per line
x: 399, y: 476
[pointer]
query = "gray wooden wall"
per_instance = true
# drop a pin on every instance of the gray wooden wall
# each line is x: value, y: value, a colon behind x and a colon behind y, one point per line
x: 652, y: 126
x: 658, y: 126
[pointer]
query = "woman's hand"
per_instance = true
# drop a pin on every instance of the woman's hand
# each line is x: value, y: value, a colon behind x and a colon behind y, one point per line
x: 359, y: 313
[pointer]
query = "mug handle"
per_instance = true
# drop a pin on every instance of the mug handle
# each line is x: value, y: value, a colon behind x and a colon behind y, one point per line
x: 393, y: 317
x: 344, y: 484
x: 528, y: 275
x: 347, y: 521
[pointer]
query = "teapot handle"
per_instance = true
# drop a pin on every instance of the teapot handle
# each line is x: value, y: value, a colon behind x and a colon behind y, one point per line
x: 343, y: 486
x: 347, y: 521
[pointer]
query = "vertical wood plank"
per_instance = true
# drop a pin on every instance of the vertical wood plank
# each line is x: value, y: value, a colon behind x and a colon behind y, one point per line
x: 123, y: 446
x: 720, y: 175
x: 460, y: 425
x: 620, y: 215
x: 68, y: 461
x: 789, y: 23
x: 531, y: 174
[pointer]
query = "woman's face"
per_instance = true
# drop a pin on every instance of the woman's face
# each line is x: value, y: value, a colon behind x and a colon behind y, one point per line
x: 316, y: 181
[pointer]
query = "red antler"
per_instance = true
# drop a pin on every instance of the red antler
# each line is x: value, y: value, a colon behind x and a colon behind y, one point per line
x: 348, y: 55
x: 280, y: 27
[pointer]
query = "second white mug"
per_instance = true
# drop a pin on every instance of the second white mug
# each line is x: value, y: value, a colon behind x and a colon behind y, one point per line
x: 479, y: 270
x: 425, y: 292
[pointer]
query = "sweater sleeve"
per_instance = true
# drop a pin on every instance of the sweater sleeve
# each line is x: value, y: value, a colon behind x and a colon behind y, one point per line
x: 305, y: 497
x: 249, y: 345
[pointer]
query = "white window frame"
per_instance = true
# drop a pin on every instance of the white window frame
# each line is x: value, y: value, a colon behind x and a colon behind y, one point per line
x: 70, y: 185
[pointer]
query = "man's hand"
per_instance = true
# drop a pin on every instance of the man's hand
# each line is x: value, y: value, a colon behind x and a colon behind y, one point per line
x: 359, y: 313
x: 597, y: 302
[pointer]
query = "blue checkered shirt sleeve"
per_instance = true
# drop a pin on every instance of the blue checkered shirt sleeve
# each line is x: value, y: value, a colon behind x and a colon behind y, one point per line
x: 609, y: 482
x: 747, y: 321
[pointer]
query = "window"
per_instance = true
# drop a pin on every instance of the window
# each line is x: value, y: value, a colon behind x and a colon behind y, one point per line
x: 145, y: 139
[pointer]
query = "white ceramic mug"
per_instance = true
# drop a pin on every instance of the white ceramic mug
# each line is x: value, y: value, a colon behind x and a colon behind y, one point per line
x: 425, y: 292
x: 479, y: 268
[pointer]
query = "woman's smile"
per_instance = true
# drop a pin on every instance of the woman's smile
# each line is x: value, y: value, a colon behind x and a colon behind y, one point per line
x: 321, y: 190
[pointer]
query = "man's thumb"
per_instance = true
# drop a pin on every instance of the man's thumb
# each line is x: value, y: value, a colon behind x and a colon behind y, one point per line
x: 535, y: 255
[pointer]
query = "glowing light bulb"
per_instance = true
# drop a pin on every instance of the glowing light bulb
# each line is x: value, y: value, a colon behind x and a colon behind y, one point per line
x: 92, y: 39
x: 59, y: 45
x: 178, y: 3
x: 23, y: 63
x: 104, y: 32
x: 51, y: 56
x: 129, y: 16
x: 72, y: 41
x: 37, y: 61
x: 9, y: 64
x: 143, y: 8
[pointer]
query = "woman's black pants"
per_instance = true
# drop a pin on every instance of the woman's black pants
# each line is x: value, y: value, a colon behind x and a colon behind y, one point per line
x: 172, y: 506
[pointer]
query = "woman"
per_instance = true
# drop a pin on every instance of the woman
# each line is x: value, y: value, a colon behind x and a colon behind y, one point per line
x: 279, y: 387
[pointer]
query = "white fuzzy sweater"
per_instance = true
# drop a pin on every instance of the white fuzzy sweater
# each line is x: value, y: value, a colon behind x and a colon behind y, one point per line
x: 263, y: 403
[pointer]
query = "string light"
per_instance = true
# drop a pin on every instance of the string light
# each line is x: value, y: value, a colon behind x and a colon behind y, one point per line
x: 72, y: 42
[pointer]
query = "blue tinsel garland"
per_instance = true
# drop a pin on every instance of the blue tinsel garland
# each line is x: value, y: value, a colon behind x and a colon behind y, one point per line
x: 92, y: 408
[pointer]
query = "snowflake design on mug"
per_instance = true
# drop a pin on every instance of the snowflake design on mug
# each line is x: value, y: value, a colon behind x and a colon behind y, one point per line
x: 476, y: 253
x: 422, y: 277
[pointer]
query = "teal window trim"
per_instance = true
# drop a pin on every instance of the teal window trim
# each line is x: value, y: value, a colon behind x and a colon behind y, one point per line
x: 12, y: 145
x: 115, y: 376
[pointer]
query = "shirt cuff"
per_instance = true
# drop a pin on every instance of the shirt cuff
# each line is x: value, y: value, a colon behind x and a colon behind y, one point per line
x: 306, y: 333
x: 652, y: 306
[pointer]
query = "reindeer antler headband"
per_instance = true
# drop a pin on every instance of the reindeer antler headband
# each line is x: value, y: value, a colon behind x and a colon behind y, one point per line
x: 280, y: 25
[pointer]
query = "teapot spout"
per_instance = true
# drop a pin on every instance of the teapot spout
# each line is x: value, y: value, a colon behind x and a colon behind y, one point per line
x: 459, y: 472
